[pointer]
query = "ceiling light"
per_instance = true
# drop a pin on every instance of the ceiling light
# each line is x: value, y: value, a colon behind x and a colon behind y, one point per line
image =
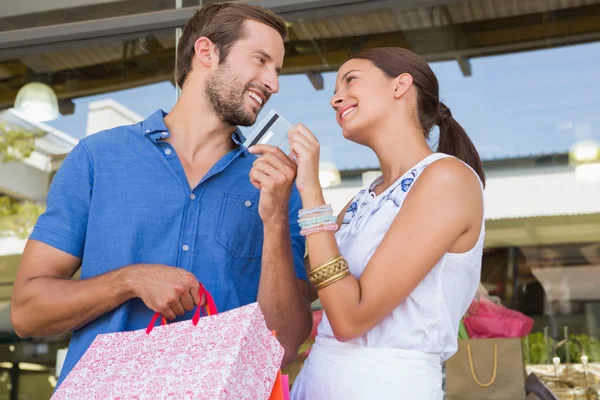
x: 37, y: 101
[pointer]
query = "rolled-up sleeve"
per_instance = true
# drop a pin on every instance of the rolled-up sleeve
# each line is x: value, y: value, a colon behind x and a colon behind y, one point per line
x: 64, y: 223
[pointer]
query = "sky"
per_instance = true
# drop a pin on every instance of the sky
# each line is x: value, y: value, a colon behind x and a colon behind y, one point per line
x: 520, y: 104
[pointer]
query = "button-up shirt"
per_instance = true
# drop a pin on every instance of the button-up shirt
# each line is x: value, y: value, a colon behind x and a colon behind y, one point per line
x: 121, y: 197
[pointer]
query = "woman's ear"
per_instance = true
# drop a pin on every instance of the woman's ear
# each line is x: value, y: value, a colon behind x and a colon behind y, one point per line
x: 401, y: 84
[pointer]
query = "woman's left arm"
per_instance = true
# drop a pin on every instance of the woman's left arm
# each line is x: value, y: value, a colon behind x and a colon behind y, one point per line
x: 442, y: 205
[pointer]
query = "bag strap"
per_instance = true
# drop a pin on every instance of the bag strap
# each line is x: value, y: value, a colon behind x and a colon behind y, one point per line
x: 484, y: 385
x: 163, y: 321
x: 209, y: 308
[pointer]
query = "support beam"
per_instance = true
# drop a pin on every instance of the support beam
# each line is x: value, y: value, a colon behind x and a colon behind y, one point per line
x: 532, y: 232
x: 22, y: 7
x: 15, y: 373
x: 313, y: 10
x: 465, y: 65
x: 481, y: 43
x: 316, y: 78
x: 460, y: 39
x: 66, y: 106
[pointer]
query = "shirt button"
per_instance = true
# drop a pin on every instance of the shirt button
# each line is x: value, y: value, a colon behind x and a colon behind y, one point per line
x: 164, y: 134
x: 192, y: 196
x: 147, y: 130
x: 248, y: 203
x: 185, y: 247
x: 168, y: 152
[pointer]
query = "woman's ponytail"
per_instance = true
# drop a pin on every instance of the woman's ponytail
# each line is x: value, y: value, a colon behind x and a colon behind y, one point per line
x: 455, y: 141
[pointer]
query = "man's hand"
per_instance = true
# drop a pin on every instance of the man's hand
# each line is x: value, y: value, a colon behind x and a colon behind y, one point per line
x: 62, y: 304
x: 282, y: 297
x: 273, y: 173
x: 167, y: 290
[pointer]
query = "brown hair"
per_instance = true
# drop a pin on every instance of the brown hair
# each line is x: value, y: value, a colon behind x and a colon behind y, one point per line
x: 394, y: 61
x: 223, y: 24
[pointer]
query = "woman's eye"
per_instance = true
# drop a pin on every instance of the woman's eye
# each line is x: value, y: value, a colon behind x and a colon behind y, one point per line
x: 349, y: 79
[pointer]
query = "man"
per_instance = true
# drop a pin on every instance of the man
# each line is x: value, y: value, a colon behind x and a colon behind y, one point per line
x: 149, y: 210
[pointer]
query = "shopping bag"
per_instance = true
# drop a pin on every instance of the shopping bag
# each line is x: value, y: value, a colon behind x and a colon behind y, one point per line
x: 490, y: 320
x: 277, y: 392
x: 285, y: 383
x: 231, y: 355
x: 486, y: 369
x: 281, y: 390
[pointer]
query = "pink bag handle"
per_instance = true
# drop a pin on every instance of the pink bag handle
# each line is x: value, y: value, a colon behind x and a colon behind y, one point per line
x: 208, y: 309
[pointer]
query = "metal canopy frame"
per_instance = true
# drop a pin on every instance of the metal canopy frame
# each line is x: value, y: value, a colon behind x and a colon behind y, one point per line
x: 458, y: 41
x: 27, y: 41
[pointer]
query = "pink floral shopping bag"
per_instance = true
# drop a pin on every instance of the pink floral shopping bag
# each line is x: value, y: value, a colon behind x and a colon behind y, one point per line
x: 231, y: 355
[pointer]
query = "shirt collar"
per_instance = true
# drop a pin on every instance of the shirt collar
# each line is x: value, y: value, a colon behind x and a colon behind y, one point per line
x: 238, y: 137
x: 155, y: 128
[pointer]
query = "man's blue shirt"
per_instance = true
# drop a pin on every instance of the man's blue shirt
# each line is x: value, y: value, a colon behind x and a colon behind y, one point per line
x: 121, y: 197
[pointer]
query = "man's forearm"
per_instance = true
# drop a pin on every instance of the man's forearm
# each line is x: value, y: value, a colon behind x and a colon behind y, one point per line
x: 286, y: 308
x: 51, y: 305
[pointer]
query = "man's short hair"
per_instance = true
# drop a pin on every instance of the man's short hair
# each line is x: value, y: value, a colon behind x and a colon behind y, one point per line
x: 223, y: 24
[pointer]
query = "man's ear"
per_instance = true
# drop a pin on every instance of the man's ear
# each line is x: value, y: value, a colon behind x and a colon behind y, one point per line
x: 401, y: 84
x: 204, y: 50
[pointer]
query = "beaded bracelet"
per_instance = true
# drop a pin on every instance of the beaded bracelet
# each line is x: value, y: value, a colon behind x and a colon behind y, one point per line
x: 312, y: 216
x: 322, y: 227
x: 307, y: 222
x: 319, y: 210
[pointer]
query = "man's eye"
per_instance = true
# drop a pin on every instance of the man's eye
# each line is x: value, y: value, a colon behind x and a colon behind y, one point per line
x: 260, y: 60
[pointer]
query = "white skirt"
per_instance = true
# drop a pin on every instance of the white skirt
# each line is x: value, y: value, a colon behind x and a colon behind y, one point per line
x: 346, y: 371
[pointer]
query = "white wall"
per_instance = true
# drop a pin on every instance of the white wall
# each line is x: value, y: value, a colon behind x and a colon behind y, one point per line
x: 518, y: 196
x: 107, y: 114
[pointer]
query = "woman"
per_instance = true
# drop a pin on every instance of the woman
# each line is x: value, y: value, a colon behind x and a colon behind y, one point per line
x: 404, y: 265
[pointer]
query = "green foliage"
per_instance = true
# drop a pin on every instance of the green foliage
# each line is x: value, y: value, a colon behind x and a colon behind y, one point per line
x: 15, y: 143
x: 17, y: 218
x: 539, y: 353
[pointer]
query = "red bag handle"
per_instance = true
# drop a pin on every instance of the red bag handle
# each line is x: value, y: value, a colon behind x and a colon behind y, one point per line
x: 208, y: 309
x: 163, y: 321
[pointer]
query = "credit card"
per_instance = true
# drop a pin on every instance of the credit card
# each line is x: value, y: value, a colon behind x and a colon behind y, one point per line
x: 272, y: 130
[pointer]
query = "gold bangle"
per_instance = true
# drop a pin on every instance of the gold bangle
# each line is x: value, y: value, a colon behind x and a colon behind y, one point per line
x: 315, y: 274
x: 333, y: 279
x: 323, y: 271
x: 329, y: 270
x: 325, y: 265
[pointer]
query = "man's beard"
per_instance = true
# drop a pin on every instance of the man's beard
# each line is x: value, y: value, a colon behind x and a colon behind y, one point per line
x: 225, y: 94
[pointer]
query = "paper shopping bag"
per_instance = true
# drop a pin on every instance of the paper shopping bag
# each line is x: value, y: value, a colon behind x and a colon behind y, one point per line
x: 281, y: 390
x: 231, y: 355
x: 277, y: 392
x: 285, y: 383
x: 486, y: 369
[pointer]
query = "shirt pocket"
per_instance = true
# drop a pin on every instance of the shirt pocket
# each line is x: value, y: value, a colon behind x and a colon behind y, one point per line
x: 240, y: 229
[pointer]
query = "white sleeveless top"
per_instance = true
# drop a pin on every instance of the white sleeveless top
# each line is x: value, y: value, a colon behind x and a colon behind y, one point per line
x: 428, y: 319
